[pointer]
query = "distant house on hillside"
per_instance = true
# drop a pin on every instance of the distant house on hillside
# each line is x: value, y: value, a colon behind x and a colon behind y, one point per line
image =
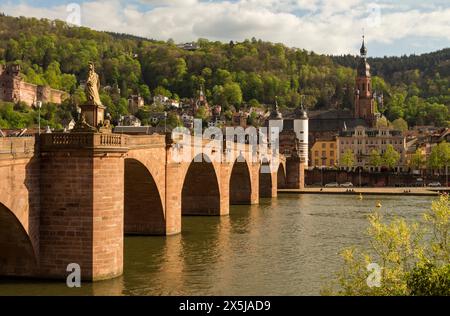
x: 188, y: 46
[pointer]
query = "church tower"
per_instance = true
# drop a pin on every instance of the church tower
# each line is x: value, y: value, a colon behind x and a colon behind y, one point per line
x: 364, y: 102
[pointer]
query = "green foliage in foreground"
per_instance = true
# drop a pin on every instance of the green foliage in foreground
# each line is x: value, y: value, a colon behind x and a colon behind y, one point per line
x: 414, y: 258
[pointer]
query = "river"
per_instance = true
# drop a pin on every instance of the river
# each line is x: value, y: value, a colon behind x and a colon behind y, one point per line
x: 283, y: 246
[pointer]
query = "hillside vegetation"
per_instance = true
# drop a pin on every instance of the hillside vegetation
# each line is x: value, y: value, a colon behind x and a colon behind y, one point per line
x: 254, y: 72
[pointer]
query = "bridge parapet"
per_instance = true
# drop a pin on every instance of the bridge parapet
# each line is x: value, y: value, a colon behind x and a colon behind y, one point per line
x: 16, y: 147
x: 78, y: 141
x: 145, y: 141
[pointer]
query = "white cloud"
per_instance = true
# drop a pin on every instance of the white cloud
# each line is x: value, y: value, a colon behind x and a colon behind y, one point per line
x: 325, y: 26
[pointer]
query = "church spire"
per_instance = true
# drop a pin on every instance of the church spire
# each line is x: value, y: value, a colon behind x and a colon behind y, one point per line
x: 363, y: 49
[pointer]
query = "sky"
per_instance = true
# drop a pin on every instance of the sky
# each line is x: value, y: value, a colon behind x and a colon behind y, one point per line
x: 391, y: 28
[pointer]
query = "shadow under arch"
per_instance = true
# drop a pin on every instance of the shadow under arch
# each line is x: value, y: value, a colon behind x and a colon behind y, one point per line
x: 240, y: 183
x: 200, y: 194
x: 143, y: 208
x: 17, y: 254
x: 281, y: 177
x: 265, y: 180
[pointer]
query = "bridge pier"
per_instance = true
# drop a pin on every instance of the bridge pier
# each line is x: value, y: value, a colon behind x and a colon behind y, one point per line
x: 82, y: 210
x: 295, y: 173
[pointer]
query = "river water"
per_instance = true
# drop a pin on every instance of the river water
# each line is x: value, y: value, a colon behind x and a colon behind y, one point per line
x: 283, y: 246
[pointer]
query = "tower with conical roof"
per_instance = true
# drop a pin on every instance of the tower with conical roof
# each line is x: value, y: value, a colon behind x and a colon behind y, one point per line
x: 364, y: 102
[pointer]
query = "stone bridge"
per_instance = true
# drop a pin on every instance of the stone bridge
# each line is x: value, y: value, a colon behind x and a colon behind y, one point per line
x: 70, y: 198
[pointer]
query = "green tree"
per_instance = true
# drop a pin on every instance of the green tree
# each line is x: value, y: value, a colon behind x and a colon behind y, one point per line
x: 440, y: 156
x: 390, y: 157
x: 162, y: 91
x: 418, y: 160
x: 348, y: 159
x: 400, y: 124
x: 375, y: 159
x: 232, y: 93
x: 202, y: 113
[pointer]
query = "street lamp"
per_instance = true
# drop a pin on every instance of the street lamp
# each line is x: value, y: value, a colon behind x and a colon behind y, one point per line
x: 39, y: 105
x: 165, y: 122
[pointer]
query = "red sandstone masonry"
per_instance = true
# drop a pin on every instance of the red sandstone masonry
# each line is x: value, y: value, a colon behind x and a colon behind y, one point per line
x: 19, y: 206
x: 70, y: 200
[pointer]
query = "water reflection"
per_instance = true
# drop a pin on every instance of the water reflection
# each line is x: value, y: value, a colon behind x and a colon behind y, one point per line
x: 283, y: 246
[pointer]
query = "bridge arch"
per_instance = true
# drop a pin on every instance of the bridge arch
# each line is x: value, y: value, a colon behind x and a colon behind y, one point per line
x: 240, y: 183
x: 143, y: 207
x: 281, y: 177
x: 17, y: 254
x: 201, y: 190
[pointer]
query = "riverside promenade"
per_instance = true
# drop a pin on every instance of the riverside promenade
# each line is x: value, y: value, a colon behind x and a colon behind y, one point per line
x: 423, y: 191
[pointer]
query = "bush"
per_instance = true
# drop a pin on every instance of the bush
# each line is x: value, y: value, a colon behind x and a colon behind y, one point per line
x: 412, y: 259
x: 429, y: 280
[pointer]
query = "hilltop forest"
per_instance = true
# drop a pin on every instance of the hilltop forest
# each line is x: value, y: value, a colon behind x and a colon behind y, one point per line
x: 416, y: 89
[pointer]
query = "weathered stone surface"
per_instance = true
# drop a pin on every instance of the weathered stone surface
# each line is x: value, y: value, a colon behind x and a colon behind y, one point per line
x: 74, y: 199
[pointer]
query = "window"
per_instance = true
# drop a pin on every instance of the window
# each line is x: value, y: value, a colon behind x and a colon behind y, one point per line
x: 324, y: 145
x: 332, y: 153
x: 331, y: 145
x: 316, y: 162
x: 324, y: 153
x: 316, y: 153
x: 331, y: 162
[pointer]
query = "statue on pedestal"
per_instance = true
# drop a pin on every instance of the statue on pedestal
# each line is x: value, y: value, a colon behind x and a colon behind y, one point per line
x: 92, y: 117
x: 92, y: 87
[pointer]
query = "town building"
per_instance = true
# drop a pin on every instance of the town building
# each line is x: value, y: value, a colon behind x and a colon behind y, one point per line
x: 362, y: 141
x: 188, y: 120
x: 135, y: 102
x: 131, y: 120
x: 14, y: 89
x: 240, y: 119
x: 293, y: 132
x: 324, y: 153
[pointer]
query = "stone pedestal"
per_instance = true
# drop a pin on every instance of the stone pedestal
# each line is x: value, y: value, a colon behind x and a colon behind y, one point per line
x: 94, y: 114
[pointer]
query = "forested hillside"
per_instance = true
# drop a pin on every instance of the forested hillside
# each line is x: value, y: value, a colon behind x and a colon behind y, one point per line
x: 233, y: 74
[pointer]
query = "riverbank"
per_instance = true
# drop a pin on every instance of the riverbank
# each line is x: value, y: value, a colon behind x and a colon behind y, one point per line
x: 369, y: 191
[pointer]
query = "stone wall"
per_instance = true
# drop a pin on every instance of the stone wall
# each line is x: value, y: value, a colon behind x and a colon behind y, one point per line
x: 19, y: 206
x: 14, y: 89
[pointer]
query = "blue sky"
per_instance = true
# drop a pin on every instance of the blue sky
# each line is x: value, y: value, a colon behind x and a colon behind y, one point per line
x: 324, y: 26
